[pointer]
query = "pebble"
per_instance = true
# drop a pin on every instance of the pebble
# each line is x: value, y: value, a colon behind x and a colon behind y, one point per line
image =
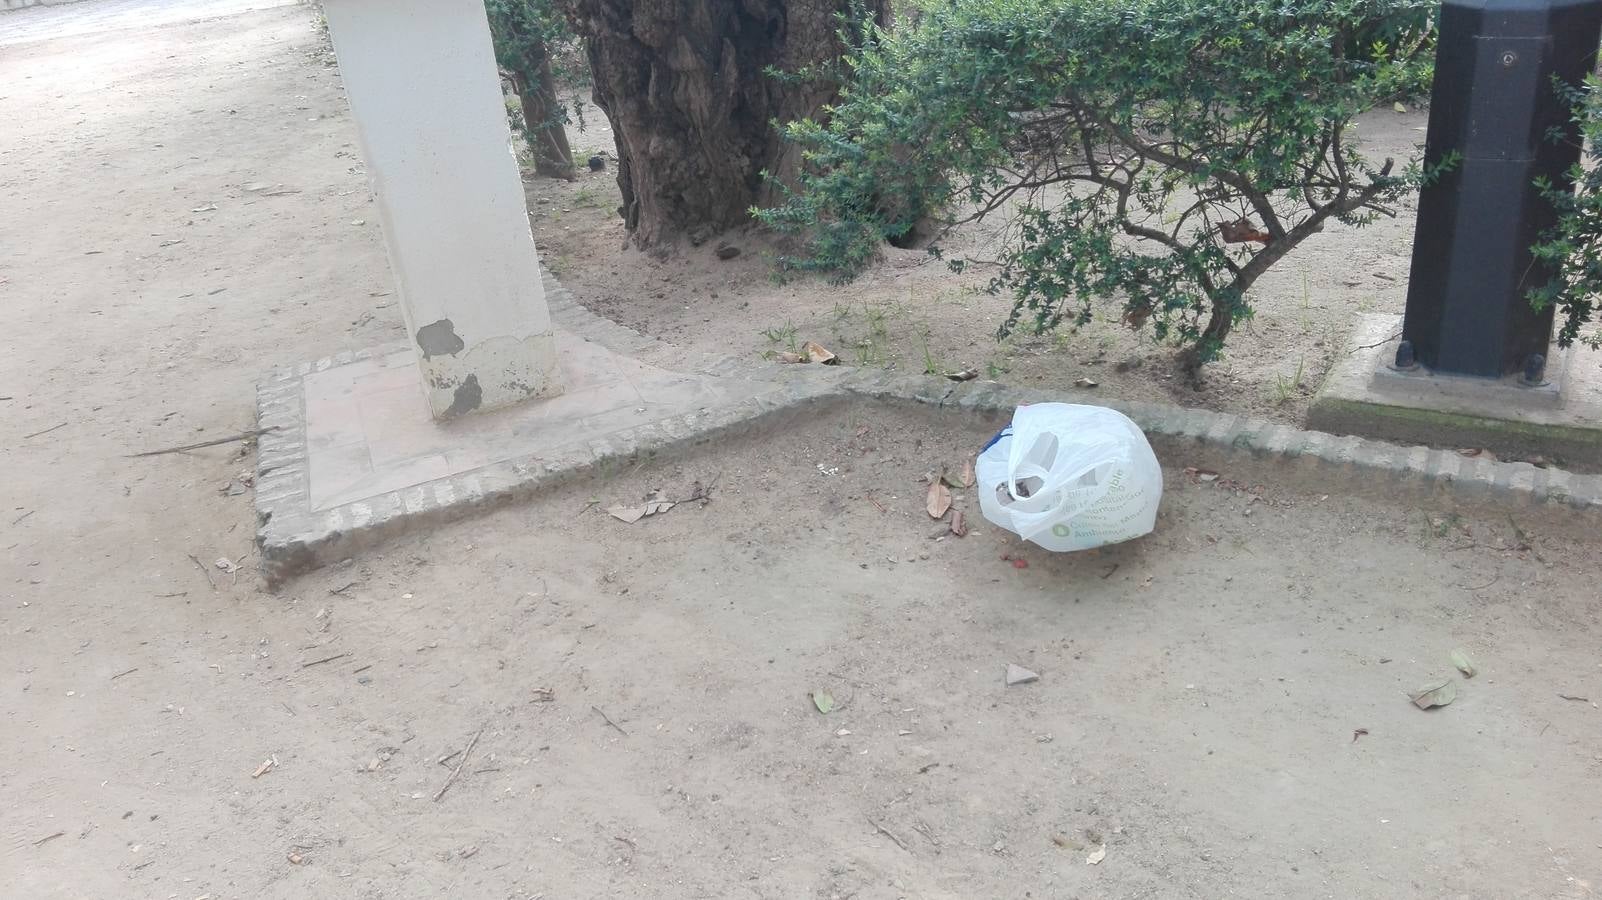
x: 1020, y: 675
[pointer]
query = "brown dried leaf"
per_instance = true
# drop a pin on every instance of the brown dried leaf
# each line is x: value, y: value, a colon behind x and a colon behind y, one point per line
x: 817, y: 353
x: 959, y: 523
x: 629, y: 514
x: 938, y: 500
x: 788, y: 357
x: 967, y: 473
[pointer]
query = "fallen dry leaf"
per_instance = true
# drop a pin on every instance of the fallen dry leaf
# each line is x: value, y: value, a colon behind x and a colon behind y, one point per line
x: 819, y: 354
x: 265, y: 767
x: 939, y: 499
x: 959, y: 524
x: 1086, y: 383
x: 964, y: 375
x: 1460, y: 659
x: 823, y: 700
x: 1434, y: 694
x: 789, y: 357
x: 655, y: 502
x: 967, y: 473
x: 629, y: 514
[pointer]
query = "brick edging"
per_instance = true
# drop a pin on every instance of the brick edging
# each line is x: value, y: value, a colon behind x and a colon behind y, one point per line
x: 1472, y: 477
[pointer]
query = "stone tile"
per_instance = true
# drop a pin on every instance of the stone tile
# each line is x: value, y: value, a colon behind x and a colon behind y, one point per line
x: 368, y: 430
x: 332, y: 471
x: 394, y: 475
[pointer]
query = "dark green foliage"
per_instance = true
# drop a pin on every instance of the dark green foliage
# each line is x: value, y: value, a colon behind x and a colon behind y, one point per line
x: 527, y: 32
x: 1573, y: 250
x: 1119, y: 140
x: 534, y: 44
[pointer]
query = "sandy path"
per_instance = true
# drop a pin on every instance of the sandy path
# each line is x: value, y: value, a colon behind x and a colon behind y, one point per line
x: 1200, y: 688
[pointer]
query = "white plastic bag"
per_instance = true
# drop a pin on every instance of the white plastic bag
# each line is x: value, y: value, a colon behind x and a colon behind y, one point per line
x: 1070, y: 477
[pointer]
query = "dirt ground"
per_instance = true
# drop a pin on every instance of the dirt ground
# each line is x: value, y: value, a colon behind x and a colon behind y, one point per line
x: 912, y: 314
x: 1221, y: 707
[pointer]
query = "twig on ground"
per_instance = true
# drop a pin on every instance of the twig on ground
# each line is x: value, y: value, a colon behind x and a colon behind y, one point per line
x: 458, y: 770
x: 876, y: 504
x: 889, y: 834
x: 1109, y: 573
x: 318, y: 662
x: 609, y: 720
x: 241, y: 436
x: 203, y: 570
x: 21, y: 517
x: 1380, y: 344
x: 702, y: 493
x: 47, y: 838
x: 1572, y: 697
x: 171, y: 595
x: 128, y: 672
x: 344, y: 588
x: 45, y: 431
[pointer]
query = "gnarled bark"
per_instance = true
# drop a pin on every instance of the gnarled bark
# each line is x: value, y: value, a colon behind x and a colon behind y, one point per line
x: 685, y: 85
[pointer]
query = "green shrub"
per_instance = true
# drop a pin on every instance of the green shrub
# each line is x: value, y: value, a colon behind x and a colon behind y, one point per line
x: 1121, y: 141
x: 1573, y: 249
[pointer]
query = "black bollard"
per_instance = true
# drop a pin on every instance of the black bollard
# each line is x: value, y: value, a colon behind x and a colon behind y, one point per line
x: 1494, y: 103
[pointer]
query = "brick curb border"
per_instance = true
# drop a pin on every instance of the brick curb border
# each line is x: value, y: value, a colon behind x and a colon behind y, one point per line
x: 293, y: 538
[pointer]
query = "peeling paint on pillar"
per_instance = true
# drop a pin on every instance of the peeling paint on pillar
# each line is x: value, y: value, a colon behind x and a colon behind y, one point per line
x: 466, y: 398
x: 440, y: 339
x: 491, y: 373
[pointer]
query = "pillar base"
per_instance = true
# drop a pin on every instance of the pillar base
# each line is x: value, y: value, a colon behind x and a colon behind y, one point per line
x: 1559, y: 421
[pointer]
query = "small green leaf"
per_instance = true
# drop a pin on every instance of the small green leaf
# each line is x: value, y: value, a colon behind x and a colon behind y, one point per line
x: 823, y: 700
x: 1437, y: 693
x: 1460, y: 658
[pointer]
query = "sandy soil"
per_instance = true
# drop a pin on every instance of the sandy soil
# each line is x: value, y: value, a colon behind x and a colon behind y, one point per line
x: 1201, y: 690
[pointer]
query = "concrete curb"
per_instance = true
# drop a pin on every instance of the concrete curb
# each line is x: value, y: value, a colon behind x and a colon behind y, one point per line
x: 294, y: 539
x: 1471, y: 478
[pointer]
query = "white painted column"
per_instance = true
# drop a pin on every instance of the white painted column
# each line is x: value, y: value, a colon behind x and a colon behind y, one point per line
x: 426, y: 96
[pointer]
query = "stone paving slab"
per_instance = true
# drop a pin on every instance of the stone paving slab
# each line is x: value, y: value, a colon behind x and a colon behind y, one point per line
x: 353, y: 458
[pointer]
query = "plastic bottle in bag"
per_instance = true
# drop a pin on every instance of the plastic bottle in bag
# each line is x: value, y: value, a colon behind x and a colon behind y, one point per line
x: 1070, y: 477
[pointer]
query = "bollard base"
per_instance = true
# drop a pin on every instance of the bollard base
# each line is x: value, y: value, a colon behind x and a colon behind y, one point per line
x: 1559, y: 420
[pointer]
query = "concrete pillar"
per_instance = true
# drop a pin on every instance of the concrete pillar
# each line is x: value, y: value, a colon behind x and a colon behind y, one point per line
x: 425, y: 93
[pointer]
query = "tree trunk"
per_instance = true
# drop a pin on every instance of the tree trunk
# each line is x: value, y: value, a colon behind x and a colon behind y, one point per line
x: 543, y: 118
x: 685, y: 85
